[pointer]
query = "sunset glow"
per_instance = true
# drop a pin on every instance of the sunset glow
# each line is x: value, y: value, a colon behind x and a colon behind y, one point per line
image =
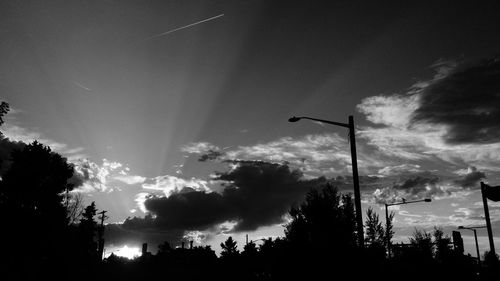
x: 128, y: 252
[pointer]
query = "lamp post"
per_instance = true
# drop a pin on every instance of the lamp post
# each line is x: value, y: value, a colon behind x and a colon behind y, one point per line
x: 355, y: 176
x: 473, y: 228
x: 388, y: 241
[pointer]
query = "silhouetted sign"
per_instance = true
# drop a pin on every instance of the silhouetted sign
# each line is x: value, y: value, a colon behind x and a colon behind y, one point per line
x: 458, y: 242
x: 492, y: 192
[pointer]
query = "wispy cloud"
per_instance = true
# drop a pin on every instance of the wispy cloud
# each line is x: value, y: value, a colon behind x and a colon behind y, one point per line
x: 18, y: 133
x: 199, y: 148
x: 317, y: 154
x: 104, y: 176
x: 399, y: 169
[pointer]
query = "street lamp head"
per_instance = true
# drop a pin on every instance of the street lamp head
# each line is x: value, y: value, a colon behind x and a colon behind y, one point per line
x: 294, y: 119
x: 427, y: 200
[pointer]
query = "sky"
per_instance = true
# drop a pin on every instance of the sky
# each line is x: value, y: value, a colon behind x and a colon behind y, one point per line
x: 175, y: 112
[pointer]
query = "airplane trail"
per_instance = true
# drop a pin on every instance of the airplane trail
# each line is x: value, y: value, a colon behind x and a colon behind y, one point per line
x: 183, y: 27
x: 81, y: 86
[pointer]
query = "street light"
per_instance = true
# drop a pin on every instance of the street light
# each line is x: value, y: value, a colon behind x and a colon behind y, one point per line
x: 387, y: 219
x: 355, y: 176
x: 473, y: 228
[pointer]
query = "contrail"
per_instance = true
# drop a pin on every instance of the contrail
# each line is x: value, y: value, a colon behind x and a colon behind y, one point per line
x: 189, y: 25
x: 81, y: 86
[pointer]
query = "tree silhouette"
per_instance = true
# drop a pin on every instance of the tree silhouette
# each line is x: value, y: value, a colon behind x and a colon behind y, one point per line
x: 250, y: 250
x: 88, y: 230
x: 422, y: 242
x: 88, y: 215
x: 267, y: 247
x: 442, y: 242
x: 326, y: 218
x: 229, y: 248
x: 35, y: 182
x: 74, y: 207
x: 375, y: 233
x: 491, y: 259
x: 375, y: 237
x: 164, y: 248
x: 321, y: 232
x: 31, y: 205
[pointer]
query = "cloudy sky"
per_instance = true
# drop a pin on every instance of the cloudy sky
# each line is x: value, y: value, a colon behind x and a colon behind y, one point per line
x: 175, y: 112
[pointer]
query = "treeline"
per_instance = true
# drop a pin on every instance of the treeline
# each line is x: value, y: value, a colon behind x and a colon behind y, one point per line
x: 319, y: 243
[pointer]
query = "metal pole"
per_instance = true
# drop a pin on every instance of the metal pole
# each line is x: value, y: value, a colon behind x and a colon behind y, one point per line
x: 387, y: 231
x: 101, y: 235
x: 477, y: 247
x: 355, y: 178
x: 488, y: 222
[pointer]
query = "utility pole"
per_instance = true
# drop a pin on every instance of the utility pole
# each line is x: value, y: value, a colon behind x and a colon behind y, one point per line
x: 101, y: 234
x: 487, y: 217
x: 355, y: 179
x: 477, y: 247
x: 387, y: 238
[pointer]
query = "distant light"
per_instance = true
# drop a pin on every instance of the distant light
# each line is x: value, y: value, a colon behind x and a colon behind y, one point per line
x: 129, y: 253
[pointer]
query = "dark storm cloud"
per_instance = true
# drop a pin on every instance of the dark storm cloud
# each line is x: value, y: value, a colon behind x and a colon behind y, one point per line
x: 189, y: 210
x: 366, y: 183
x: 76, y: 180
x: 80, y: 176
x: 417, y: 184
x: 466, y: 99
x: 471, y: 179
x: 410, y: 186
x: 261, y: 192
x: 255, y: 194
x: 210, y: 155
